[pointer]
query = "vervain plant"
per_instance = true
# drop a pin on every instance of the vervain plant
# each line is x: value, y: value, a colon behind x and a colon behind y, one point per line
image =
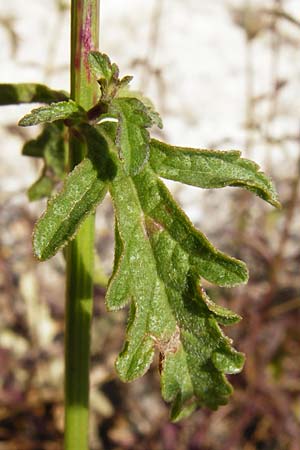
x: 160, y: 257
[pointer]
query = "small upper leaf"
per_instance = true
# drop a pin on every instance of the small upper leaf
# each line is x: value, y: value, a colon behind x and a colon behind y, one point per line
x: 12, y: 94
x: 107, y: 75
x: 52, y: 112
x: 100, y: 65
x: 210, y: 169
x: 132, y: 136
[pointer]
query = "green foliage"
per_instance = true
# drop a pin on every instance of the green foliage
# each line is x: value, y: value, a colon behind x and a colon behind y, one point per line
x: 12, y: 94
x: 101, y: 67
x: 160, y: 258
x: 132, y: 138
x: 107, y: 75
x: 83, y: 190
x: 53, y: 112
x: 41, y: 188
x: 210, y: 169
x: 50, y: 146
x: 154, y: 116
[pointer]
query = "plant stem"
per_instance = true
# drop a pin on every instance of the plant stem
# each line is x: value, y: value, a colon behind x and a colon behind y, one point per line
x: 80, y: 252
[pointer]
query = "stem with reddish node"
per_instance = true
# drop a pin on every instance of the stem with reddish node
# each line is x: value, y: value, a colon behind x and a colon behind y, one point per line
x: 80, y: 251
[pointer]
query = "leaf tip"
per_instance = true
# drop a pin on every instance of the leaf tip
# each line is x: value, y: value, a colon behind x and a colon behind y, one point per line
x: 24, y: 122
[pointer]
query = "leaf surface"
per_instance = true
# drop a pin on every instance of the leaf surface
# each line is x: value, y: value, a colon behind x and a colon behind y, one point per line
x: 154, y: 115
x: 41, y: 188
x: 132, y: 136
x: 66, y: 210
x: 210, y: 169
x: 83, y: 190
x: 13, y: 94
x: 50, y: 146
x: 159, y: 260
x: 100, y: 65
x: 52, y: 112
x: 107, y: 75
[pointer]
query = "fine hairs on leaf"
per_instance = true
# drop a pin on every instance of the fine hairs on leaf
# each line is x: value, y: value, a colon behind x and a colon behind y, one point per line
x: 210, y: 169
x: 52, y: 113
x: 132, y: 136
x: 160, y: 258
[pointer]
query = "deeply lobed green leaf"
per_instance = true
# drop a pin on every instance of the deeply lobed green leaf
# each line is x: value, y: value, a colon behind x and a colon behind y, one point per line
x: 53, y: 112
x: 12, y: 94
x: 159, y: 259
x: 210, y: 169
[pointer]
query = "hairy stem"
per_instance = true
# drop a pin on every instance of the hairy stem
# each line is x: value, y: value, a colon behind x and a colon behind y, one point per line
x: 80, y: 252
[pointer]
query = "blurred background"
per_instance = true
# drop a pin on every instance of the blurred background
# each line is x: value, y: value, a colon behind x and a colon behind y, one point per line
x: 223, y: 74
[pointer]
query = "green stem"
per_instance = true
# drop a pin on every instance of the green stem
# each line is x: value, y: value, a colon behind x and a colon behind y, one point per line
x: 80, y: 252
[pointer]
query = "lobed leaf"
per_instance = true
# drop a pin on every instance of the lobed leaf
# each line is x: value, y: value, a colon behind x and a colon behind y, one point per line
x: 52, y: 112
x: 13, y: 94
x: 159, y: 260
x: 210, y: 169
x: 83, y: 190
